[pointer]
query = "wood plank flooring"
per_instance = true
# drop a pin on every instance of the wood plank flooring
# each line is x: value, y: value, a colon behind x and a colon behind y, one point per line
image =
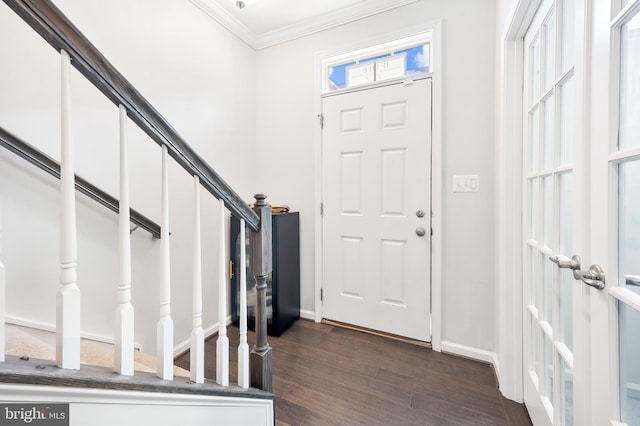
x: 328, y: 375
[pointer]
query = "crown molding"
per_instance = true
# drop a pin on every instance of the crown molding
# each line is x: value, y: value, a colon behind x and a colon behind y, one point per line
x: 227, y: 20
x: 326, y: 21
x: 303, y: 28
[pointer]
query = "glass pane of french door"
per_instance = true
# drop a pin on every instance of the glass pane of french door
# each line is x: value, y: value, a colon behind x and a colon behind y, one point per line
x: 549, y: 106
x: 615, y: 154
x: 624, y: 159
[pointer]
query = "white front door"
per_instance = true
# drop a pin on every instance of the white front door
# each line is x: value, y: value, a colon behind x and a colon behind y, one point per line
x: 376, y: 167
x: 582, y: 185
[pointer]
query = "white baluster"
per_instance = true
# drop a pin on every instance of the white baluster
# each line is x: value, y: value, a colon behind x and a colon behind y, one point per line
x: 124, y: 311
x: 165, y: 324
x: 3, y: 295
x: 197, y: 334
x: 243, y: 347
x: 68, y: 297
x: 222, y: 345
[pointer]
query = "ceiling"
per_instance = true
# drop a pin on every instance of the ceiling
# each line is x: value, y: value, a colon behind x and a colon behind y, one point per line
x: 264, y: 23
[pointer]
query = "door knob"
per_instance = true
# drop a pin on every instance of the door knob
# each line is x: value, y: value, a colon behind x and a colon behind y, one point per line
x: 594, y: 277
x: 421, y: 232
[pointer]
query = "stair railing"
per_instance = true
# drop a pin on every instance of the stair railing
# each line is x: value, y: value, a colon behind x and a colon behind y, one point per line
x: 77, y: 51
x: 45, y: 163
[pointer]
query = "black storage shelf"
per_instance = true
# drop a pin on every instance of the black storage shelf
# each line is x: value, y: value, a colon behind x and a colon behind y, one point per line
x: 283, y: 284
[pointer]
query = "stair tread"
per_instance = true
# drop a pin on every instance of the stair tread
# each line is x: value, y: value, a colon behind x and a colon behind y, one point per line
x: 20, y: 343
x: 42, y: 372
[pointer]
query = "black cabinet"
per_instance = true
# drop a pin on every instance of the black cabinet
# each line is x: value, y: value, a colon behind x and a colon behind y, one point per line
x: 283, y: 284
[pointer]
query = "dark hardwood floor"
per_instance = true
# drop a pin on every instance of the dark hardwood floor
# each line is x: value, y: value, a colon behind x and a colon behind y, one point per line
x: 328, y: 375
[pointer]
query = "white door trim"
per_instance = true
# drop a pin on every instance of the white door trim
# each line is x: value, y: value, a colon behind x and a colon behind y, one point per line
x: 436, y: 168
x: 509, y: 202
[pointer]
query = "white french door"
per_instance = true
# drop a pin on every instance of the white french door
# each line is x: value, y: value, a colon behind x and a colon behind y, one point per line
x: 582, y: 197
x: 553, y: 188
x: 615, y: 217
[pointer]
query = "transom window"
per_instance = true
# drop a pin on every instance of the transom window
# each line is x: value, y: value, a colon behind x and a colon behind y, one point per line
x: 407, y: 57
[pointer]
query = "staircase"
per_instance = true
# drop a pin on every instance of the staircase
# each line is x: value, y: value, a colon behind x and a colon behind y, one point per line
x: 97, y: 396
x: 21, y: 342
x: 116, y: 383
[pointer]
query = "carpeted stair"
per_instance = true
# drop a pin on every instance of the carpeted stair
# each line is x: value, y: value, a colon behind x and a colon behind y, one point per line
x: 19, y: 342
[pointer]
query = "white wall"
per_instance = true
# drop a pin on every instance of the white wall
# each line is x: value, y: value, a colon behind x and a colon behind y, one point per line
x: 286, y: 125
x: 200, y: 77
x: 221, y: 96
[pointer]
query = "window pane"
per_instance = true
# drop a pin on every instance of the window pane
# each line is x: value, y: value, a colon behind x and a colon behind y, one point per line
x: 540, y: 284
x: 567, y: 393
x: 629, y: 366
x: 566, y: 122
x: 565, y: 248
x: 630, y: 83
x: 548, y: 211
x: 566, y: 306
x: 548, y: 368
x: 568, y: 36
x: 410, y: 61
x: 418, y: 59
x: 394, y: 66
x: 534, y: 209
x: 629, y: 225
x: 533, y: 273
x: 535, y: 345
x: 360, y: 74
x: 534, y: 132
x: 549, y: 51
x: 547, y: 288
x: 534, y: 52
x: 338, y: 76
x: 548, y: 132
x: 566, y: 213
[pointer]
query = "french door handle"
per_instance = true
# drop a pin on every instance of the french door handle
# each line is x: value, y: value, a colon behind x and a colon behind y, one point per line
x: 565, y: 262
x: 594, y: 277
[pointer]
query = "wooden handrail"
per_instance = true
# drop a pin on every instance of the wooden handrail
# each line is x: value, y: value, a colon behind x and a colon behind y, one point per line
x: 51, y: 166
x: 52, y: 25
x: 75, y: 49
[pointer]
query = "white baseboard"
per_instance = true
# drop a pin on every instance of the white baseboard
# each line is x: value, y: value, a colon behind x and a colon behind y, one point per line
x: 178, y: 349
x: 496, y: 366
x: 51, y: 328
x: 469, y: 352
x: 308, y: 315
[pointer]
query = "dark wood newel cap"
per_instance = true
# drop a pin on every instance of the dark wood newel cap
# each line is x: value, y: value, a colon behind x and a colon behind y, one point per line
x: 260, y: 200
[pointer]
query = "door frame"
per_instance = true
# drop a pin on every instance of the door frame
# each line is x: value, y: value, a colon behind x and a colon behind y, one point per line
x: 509, y: 224
x: 435, y: 27
x: 509, y: 159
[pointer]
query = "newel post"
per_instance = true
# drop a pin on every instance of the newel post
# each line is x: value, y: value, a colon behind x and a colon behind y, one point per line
x: 260, y: 242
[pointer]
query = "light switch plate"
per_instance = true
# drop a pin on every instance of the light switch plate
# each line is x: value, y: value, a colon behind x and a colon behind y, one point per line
x: 466, y: 183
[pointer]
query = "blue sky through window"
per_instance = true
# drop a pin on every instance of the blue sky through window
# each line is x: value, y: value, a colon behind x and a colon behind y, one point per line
x: 417, y: 63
